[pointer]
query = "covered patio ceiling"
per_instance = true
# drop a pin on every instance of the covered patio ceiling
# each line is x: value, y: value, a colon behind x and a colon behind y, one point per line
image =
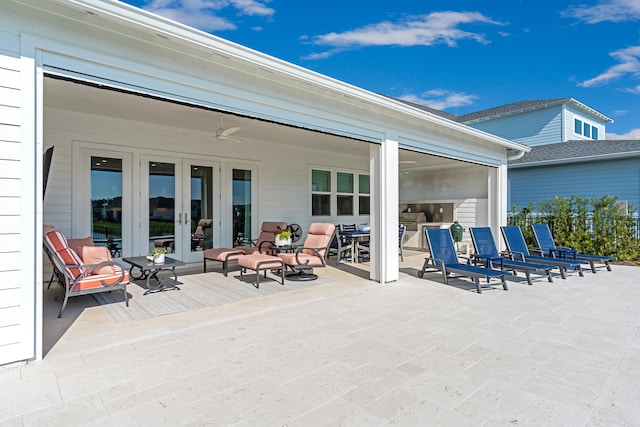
x: 201, y: 122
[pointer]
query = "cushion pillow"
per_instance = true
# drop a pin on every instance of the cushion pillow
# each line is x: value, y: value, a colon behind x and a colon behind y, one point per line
x: 95, y: 255
x: 76, y: 244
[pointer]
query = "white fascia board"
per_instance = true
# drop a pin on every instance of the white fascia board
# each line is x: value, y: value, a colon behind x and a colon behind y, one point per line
x: 596, y: 158
x: 586, y: 109
x: 131, y: 16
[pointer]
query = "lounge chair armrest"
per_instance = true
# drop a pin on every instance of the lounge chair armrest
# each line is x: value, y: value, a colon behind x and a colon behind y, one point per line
x: 434, y: 261
x: 536, y: 250
x: 489, y: 260
x: 316, y: 252
x: 466, y: 258
x: 262, y: 245
x: 88, y: 268
x: 517, y: 256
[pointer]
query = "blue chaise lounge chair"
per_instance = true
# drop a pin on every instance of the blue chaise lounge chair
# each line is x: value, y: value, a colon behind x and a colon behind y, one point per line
x: 517, y: 247
x: 487, y: 253
x: 547, y: 246
x: 444, y: 258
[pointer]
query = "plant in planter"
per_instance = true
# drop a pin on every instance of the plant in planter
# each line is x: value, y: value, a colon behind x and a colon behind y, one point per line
x: 282, y: 237
x: 158, y: 255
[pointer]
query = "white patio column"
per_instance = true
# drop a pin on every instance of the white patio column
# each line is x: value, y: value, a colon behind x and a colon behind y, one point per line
x: 497, y: 215
x: 384, y: 210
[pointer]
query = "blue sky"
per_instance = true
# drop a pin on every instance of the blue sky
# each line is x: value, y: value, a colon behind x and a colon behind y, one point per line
x: 459, y: 56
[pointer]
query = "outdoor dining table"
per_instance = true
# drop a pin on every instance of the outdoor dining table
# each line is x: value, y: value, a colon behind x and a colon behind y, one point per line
x: 355, y: 236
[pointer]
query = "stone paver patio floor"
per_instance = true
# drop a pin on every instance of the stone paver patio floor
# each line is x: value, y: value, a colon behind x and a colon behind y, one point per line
x: 353, y: 353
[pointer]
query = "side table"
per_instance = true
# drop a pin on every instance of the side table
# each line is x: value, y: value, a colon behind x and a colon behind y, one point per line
x: 149, y: 269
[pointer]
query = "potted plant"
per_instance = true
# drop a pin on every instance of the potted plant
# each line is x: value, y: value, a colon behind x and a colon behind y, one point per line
x: 158, y: 255
x: 282, y: 237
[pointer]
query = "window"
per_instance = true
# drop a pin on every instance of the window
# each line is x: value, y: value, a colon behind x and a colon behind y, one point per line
x: 577, y: 126
x: 594, y: 132
x: 350, y: 191
x: 320, y: 192
x: 345, y: 193
x: 587, y: 130
x: 364, y: 201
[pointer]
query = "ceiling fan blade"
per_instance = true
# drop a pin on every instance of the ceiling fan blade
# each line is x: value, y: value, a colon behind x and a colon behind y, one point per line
x: 230, y: 131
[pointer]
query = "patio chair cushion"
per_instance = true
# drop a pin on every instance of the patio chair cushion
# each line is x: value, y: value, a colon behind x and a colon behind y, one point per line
x: 266, y: 237
x: 70, y: 258
x: 266, y: 261
x: 77, y: 244
x: 318, y: 236
x: 223, y: 254
x: 95, y: 255
x: 56, y: 240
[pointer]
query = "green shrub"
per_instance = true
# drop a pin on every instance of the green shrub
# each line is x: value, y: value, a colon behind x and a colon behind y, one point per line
x: 595, y: 226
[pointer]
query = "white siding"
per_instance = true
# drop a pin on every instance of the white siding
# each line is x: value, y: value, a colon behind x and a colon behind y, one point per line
x: 12, y: 303
x: 283, y: 170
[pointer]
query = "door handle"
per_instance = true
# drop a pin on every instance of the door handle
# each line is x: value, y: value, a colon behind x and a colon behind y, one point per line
x: 180, y: 218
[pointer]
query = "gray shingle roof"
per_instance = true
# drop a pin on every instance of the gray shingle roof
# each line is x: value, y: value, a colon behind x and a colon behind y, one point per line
x: 582, y: 150
x: 512, y: 108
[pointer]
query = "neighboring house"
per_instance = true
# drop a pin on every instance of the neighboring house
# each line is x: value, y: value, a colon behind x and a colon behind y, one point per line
x: 569, y: 155
x: 139, y: 107
x: 544, y: 121
x: 577, y: 168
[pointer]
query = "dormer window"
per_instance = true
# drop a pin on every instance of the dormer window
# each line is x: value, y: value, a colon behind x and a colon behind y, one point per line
x: 577, y: 126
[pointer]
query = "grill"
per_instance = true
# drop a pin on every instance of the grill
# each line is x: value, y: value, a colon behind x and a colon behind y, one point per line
x: 411, y: 220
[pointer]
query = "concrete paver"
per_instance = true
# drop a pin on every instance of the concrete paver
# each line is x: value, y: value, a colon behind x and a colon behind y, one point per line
x: 351, y: 352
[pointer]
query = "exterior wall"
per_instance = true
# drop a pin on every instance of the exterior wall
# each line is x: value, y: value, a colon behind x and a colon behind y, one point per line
x: 116, y: 46
x: 16, y: 291
x: 282, y: 196
x: 530, y: 128
x: 466, y: 187
x: 620, y: 178
x: 569, y: 133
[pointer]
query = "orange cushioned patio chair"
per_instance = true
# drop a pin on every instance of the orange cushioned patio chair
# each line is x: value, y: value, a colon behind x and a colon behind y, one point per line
x: 265, y: 239
x: 313, y: 252
x: 84, y: 270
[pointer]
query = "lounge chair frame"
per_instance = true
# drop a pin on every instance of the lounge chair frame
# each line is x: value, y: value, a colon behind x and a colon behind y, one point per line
x: 518, y: 250
x: 487, y: 253
x: 546, y: 244
x: 445, y: 259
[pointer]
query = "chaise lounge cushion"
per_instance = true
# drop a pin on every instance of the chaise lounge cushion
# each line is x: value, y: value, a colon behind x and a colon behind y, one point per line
x: 265, y: 261
x: 223, y: 254
x: 92, y: 255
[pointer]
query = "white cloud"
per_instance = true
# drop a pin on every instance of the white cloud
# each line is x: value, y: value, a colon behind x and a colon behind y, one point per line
x: 629, y: 64
x: 606, y: 11
x: 441, y: 99
x: 632, y: 134
x: 423, y: 30
x: 205, y: 14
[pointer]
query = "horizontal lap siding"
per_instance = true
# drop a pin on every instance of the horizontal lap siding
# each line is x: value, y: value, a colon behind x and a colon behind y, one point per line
x: 11, y: 292
x: 531, y: 128
x: 620, y: 178
x: 283, y: 170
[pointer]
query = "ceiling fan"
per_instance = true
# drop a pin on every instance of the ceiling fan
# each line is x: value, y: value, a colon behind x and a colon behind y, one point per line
x: 223, y: 134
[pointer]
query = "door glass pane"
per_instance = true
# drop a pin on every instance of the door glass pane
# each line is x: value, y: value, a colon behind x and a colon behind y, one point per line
x: 241, y: 205
x: 161, y: 205
x: 106, y: 203
x: 201, y: 208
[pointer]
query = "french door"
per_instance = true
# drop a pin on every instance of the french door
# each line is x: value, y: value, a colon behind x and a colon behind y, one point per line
x: 179, y: 206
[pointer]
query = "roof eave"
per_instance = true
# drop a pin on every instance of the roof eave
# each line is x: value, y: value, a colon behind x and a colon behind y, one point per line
x: 582, y: 159
x: 133, y: 16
